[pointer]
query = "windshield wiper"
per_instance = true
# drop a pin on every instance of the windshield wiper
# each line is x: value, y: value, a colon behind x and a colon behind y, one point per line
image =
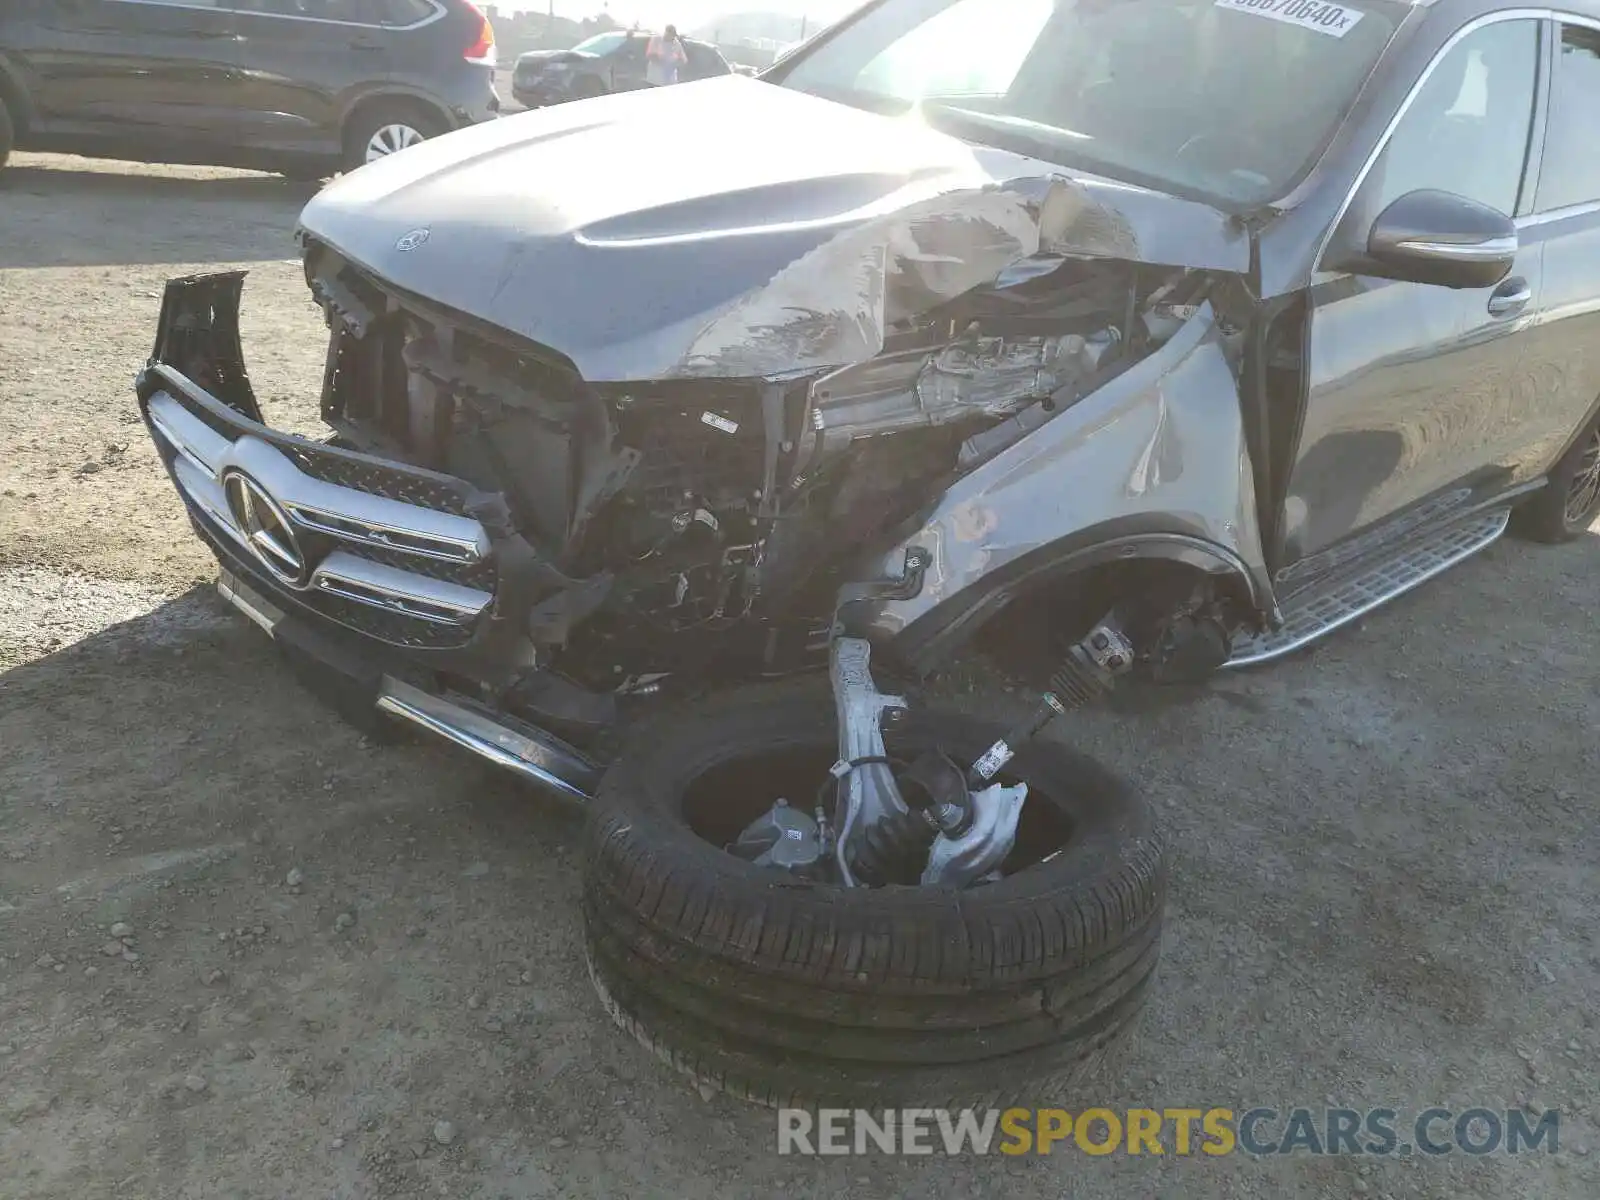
x: 1054, y: 144
x: 1027, y: 136
x: 886, y: 106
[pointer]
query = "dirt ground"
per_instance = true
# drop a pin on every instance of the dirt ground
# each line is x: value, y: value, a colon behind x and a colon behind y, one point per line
x: 1387, y: 872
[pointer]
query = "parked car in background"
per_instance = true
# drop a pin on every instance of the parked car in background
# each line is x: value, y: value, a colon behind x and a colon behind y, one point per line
x: 302, y: 87
x: 605, y: 63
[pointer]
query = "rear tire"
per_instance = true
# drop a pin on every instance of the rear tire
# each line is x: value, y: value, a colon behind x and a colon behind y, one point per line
x: 1570, y: 501
x: 387, y: 127
x: 785, y: 992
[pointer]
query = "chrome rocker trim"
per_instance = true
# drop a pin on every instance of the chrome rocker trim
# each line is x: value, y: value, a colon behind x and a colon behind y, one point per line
x: 521, y: 751
x: 525, y: 755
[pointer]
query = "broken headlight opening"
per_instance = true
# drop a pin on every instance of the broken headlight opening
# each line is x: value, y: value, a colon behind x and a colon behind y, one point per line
x: 975, y: 376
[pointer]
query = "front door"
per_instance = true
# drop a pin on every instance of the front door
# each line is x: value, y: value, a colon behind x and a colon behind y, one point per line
x: 1415, y: 391
x: 626, y: 67
x: 297, y: 59
x: 136, y: 68
x: 704, y: 62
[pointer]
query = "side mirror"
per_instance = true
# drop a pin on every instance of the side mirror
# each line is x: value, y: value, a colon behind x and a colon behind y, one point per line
x: 1441, y: 238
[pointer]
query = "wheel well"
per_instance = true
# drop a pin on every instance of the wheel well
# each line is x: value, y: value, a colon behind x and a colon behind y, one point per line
x: 363, y: 109
x: 1056, y: 612
x: 15, y: 102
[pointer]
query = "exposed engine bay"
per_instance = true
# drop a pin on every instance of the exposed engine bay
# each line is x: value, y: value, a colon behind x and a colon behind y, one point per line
x: 687, y: 523
x: 862, y: 410
x: 693, y: 517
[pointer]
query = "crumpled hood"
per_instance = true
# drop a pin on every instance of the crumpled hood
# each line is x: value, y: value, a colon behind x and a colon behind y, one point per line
x: 728, y: 228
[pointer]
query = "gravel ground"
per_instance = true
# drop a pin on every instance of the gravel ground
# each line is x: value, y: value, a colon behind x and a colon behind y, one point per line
x: 245, y: 953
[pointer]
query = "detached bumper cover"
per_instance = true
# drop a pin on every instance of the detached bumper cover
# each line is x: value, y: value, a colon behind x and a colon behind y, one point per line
x: 391, y: 576
x: 384, y: 551
x: 429, y: 567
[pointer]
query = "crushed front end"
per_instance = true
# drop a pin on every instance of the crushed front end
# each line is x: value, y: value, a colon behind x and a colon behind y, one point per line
x: 487, y: 530
x: 701, y: 525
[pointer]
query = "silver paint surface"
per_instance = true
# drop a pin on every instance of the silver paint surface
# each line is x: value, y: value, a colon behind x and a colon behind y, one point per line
x: 1155, y: 460
x: 729, y: 227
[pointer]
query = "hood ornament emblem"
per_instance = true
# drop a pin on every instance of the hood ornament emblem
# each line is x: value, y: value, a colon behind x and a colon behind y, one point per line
x: 410, y: 241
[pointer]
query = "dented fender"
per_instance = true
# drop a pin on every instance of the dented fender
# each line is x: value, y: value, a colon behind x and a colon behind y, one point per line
x: 1153, y: 465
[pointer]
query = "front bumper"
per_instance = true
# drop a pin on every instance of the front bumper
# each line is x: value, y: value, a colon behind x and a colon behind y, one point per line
x: 389, y: 582
x: 536, y: 756
x: 401, y: 572
x: 468, y: 93
x: 539, y: 93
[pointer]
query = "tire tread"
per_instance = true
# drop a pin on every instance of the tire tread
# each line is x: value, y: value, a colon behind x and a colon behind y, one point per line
x: 729, y: 972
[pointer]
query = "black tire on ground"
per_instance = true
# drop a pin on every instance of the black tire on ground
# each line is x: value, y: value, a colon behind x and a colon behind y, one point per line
x: 366, y: 123
x: 783, y: 992
x: 8, y: 134
x: 1566, y: 507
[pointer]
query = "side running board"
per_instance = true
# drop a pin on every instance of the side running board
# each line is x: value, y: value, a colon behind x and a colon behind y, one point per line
x: 1319, y: 610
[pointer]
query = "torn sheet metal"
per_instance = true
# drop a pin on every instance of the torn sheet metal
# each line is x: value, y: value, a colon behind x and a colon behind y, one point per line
x: 787, y: 233
x: 1155, y: 462
x: 833, y: 305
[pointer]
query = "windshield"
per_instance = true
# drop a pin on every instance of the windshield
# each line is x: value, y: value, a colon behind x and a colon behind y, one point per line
x: 602, y: 43
x: 1232, y: 100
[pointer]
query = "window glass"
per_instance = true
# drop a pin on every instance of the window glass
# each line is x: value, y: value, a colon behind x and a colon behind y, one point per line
x: 602, y: 43
x: 405, y: 12
x: 1467, y: 128
x: 355, y: 11
x: 967, y: 49
x: 703, y: 61
x: 1570, y: 170
x: 1232, y: 100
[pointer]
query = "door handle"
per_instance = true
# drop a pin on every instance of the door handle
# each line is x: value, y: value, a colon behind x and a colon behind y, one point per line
x: 1509, y: 298
x: 366, y: 47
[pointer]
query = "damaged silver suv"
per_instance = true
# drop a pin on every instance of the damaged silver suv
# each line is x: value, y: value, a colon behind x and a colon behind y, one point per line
x: 1179, y: 332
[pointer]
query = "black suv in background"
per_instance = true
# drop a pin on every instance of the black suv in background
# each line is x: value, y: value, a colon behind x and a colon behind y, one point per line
x: 302, y: 87
x: 607, y: 62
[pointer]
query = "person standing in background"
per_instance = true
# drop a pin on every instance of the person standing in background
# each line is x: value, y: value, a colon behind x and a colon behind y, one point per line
x: 664, y: 57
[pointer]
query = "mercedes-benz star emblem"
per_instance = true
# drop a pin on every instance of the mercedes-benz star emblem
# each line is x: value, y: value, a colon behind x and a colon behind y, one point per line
x: 410, y: 241
x: 266, y: 529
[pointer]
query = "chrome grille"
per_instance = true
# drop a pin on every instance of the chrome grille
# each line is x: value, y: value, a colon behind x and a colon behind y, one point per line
x: 377, y: 480
x: 384, y: 550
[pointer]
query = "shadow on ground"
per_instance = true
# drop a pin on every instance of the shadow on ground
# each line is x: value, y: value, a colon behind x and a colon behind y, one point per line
x: 55, y: 216
x: 1381, y: 897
